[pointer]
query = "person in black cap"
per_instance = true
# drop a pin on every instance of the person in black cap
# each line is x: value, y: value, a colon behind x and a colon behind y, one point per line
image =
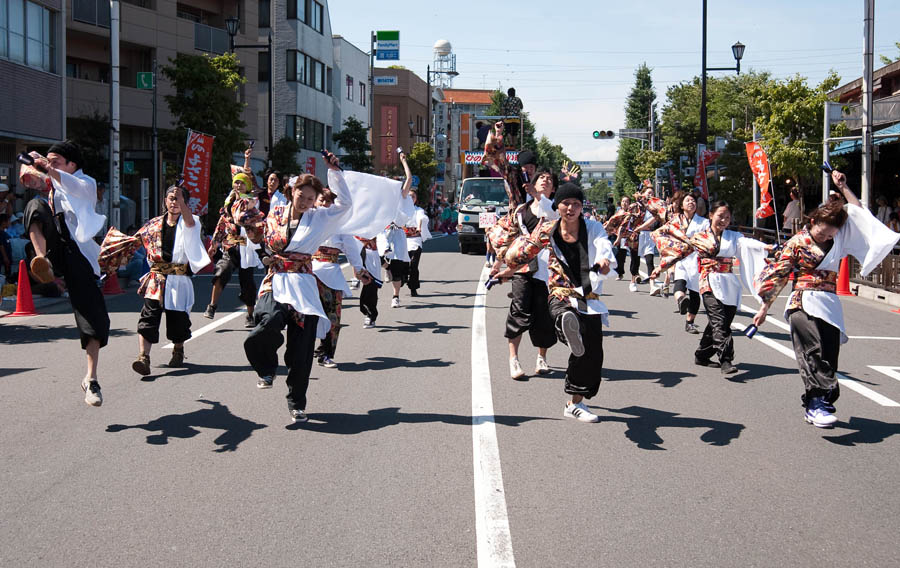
x: 580, y: 258
x: 61, y: 224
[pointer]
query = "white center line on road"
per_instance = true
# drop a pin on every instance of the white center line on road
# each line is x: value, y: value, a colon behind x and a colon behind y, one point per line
x: 843, y: 380
x: 892, y: 372
x: 211, y: 326
x: 493, y: 540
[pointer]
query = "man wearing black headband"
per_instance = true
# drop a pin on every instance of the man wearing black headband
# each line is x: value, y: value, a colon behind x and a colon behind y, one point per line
x: 580, y: 258
x: 61, y: 225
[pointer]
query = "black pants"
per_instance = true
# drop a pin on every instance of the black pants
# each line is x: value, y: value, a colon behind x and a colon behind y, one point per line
x: 648, y: 258
x: 368, y: 301
x: 412, y: 279
x: 226, y: 264
x: 716, y: 338
x: 178, y: 323
x: 262, y: 343
x: 88, y: 304
x: 817, y: 345
x: 398, y: 270
x: 583, y: 373
x: 529, y: 311
x: 693, y: 297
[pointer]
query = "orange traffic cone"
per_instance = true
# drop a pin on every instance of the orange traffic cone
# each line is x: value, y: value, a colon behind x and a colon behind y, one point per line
x: 843, y: 283
x: 24, y: 301
x: 111, y: 286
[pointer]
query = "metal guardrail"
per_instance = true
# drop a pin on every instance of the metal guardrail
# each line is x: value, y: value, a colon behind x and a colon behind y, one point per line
x: 210, y: 39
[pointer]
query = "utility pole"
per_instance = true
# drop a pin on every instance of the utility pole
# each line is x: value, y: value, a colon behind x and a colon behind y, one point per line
x: 372, y: 97
x: 114, y: 112
x: 868, y: 49
x: 154, y: 200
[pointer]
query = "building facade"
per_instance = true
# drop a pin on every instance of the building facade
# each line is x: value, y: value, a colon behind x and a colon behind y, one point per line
x: 351, y: 87
x: 32, y: 56
x: 401, y: 99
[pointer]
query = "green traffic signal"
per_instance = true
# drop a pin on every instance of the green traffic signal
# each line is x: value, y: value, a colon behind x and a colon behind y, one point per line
x: 604, y: 134
x: 596, y: 134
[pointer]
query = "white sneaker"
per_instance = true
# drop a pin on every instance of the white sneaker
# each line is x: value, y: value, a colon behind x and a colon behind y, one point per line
x: 655, y: 289
x: 632, y: 287
x: 395, y: 302
x: 817, y: 415
x: 92, y: 393
x: 515, y: 370
x: 580, y: 412
x: 571, y: 329
x: 327, y: 362
x: 367, y: 323
x: 354, y: 283
x: 540, y: 366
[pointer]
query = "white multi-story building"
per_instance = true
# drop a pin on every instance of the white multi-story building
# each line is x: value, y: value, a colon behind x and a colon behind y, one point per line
x: 351, y: 85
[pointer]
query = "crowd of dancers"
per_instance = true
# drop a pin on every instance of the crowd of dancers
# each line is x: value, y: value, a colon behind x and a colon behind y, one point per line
x: 555, y: 258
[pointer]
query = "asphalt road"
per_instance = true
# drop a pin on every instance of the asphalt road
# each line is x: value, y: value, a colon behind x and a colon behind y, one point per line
x: 198, y: 467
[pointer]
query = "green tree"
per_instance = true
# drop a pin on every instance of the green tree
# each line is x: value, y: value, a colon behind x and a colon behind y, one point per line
x: 887, y: 60
x: 735, y: 183
x: 423, y: 165
x: 791, y: 128
x: 205, y: 100
x: 646, y: 162
x: 354, y: 139
x: 91, y: 133
x: 283, y: 156
x: 550, y: 155
x: 637, y: 115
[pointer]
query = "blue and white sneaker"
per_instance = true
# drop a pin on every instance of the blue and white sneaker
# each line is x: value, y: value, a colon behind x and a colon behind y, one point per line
x: 818, y: 415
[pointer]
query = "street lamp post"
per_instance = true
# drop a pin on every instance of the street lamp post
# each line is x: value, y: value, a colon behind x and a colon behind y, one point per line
x: 738, y: 51
x: 231, y: 26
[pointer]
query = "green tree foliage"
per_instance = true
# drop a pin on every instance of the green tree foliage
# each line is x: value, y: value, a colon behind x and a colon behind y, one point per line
x: 729, y: 97
x: 205, y: 100
x: 646, y: 162
x: 887, y: 60
x: 91, y: 133
x: 735, y: 182
x: 422, y: 164
x: 354, y: 139
x: 550, y: 155
x: 790, y: 125
x: 283, y: 156
x: 637, y: 115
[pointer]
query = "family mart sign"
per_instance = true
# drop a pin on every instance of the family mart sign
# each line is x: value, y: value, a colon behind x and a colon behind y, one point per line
x: 387, y: 45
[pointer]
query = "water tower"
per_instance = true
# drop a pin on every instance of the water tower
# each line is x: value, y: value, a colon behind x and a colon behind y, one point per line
x: 444, y: 66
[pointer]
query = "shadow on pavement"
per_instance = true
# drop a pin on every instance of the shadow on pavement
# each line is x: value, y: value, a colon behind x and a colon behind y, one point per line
x: 643, y: 424
x: 752, y: 371
x: 384, y: 363
x: 342, y: 423
x: 867, y: 431
x: 622, y: 313
x: 667, y: 379
x: 218, y: 417
x: 424, y: 326
x: 17, y: 334
x: 158, y: 372
x: 622, y: 333
x: 10, y: 371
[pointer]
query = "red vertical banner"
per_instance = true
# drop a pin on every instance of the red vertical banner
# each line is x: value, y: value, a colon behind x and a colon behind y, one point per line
x: 706, y: 158
x: 465, y: 135
x: 759, y: 165
x: 388, y: 139
x: 311, y: 165
x: 672, y: 181
x: 197, y: 163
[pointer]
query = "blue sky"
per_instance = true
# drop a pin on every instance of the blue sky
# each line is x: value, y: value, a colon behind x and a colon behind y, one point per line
x: 573, y: 62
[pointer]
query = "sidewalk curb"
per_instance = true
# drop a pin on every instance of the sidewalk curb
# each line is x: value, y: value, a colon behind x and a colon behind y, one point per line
x: 877, y: 295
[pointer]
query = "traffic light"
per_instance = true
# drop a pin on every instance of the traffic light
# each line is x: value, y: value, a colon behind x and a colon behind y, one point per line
x: 604, y: 134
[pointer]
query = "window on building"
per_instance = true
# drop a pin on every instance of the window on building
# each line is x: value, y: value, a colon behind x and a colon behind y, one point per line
x: 350, y: 84
x: 328, y: 140
x: 362, y: 94
x: 291, y: 65
x: 296, y: 10
x: 262, y: 62
x: 318, y: 78
x: 265, y: 7
x: 298, y: 66
x: 329, y: 78
x: 94, y: 12
x: 316, y: 19
x: 27, y: 34
x: 318, y: 130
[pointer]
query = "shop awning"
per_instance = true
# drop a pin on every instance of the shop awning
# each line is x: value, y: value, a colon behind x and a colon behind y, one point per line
x: 851, y: 146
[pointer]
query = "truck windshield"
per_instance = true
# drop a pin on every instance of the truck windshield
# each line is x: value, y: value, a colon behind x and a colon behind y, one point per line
x: 483, y: 192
